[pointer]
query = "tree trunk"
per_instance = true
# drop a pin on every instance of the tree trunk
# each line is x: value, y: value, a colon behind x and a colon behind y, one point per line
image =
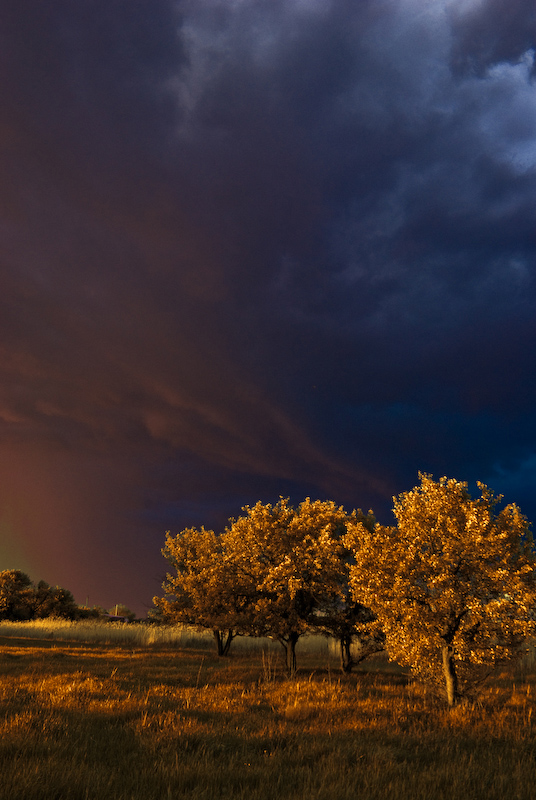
x: 362, y: 651
x: 347, y: 662
x: 289, y: 646
x: 451, y: 679
x: 223, y: 641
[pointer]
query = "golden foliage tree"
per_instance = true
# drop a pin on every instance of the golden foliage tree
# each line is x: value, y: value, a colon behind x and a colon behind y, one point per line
x: 276, y: 571
x: 353, y: 625
x: 288, y: 563
x: 452, y: 584
x: 202, y: 590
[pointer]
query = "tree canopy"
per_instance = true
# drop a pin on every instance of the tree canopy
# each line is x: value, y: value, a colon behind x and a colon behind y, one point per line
x: 21, y: 599
x: 289, y: 559
x: 16, y: 595
x: 449, y: 590
x: 452, y: 584
x: 202, y: 589
x: 272, y: 572
x: 350, y: 622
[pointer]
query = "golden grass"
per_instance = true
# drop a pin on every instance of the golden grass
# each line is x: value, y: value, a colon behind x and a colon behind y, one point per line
x: 119, y: 633
x: 97, y: 721
x: 140, y: 634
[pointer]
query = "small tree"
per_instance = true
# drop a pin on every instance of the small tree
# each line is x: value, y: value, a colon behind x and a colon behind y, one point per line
x: 287, y: 562
x: 17, y: 598
x: 53, y: 601
x: 354, y: 625
x: 453, y: 584
x: 202, y: 590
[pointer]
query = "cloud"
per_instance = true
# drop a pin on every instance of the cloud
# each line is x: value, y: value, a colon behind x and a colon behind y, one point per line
x: 255, y: 247
x: 488, y: 33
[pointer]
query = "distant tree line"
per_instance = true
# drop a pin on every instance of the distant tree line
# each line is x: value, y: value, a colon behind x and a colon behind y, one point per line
x: 449, y: 590
x: 22, y: 600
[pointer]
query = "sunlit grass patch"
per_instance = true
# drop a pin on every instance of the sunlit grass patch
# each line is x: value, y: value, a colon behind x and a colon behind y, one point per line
x: 100, y: 721
x: 145, y: 635
x: 98, y: 631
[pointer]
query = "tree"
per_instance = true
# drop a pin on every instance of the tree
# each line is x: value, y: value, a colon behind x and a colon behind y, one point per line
x: 287, y: 563
x: 202, y: 590
x: 276, y: 571
x: 354, y: 625
x: 453, y: 584
x: 16, y: 595
x: 53, y: 601
x: 21, y: 599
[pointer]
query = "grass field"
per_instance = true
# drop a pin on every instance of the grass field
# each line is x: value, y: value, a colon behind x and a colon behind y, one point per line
x: 122, y: 721
x: 143, y: 635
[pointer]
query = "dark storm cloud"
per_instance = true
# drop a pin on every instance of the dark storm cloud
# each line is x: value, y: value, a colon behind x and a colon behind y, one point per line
x: 261, y: 247
x: 491, y: 32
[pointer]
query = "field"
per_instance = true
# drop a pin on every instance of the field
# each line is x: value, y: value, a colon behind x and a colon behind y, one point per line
x: 126, y: 720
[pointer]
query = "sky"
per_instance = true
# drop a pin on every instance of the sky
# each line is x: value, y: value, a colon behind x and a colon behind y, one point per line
x: 252, y: 249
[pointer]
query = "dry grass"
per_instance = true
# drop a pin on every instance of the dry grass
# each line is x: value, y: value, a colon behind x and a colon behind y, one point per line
x: 96, y: 631
x: 142, y: 635
x: 122, y: 723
